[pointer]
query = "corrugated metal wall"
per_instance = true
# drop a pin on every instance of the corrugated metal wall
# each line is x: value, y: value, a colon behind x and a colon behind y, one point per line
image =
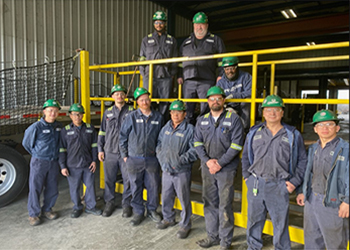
x: 32, y: 30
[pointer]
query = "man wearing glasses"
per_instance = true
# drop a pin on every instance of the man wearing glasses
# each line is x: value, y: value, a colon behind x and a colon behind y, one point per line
x: 237, y: 84
x: 273, y: 166
x: 109, y: 154
x: 159, y: 45
x: 137, y: 142
x: 325, y: 191
x: 218, y: 140
x: 78, y: 159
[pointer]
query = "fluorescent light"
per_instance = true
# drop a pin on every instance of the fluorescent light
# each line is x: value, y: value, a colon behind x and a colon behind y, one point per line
x: 292, y: 13
x: 288, y: 13
x: 284, y: 13
x: 310, y: 43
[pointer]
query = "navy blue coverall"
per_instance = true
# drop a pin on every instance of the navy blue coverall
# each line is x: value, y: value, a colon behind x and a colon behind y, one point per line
x: 78, y: 149
x: 221, y: 140
x: 41, y: 140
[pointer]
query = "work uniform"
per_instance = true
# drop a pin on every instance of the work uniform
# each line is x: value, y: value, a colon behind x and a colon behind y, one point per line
x: 137, y: 142
x: 238, y: 88
x: 78, y: 149
x: 222, y: 140
x: 176, y: 154
x: 267, y: 163
x: 154, y: 47
x: 41, y: 140
x: 108, y: 142
x: 199, y: 75
x: 325, y: 187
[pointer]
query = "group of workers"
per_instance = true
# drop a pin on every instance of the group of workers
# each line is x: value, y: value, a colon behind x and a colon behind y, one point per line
x: 139, y: 143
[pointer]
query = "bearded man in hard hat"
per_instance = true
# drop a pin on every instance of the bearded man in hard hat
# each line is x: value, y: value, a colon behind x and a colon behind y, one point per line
x: 176, y: 154
x: 137, y: 142
x: 109, y: 153
x: 159, y: 45
x: 218, y: 141
x: 198, y: 76
x: 325, y: 191
x: 237, y: 84
x: 78, y: 160
x: 273, y: 165
x: 41, y: 140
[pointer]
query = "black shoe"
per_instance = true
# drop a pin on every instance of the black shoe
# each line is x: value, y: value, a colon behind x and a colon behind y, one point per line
x: 153, y: 215
x: 165, y: 224
x: 109, y: 208
x: 207, y: 242
x: 76, y: 213
x: 127, y: 212
x: 183, y: 233
x: 138, y: 218
x: 93, y: 211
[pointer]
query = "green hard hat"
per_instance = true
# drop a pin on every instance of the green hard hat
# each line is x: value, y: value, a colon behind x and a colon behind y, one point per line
x: 51, y: 103
x: 177, y: 105
x: 229, y: 61
x: 76, y: 107
x: 324, y: 115
x: 159, y: 15
x: 118, y: 87
x: 200, y: 17
x: 215, y: 90
x: 140, y: 91
x: 272, y: 101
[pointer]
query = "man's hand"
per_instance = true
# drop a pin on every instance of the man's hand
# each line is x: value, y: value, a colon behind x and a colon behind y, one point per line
x: 65, y: 172
x: 101, y: 156
x: 300, y: 199
x: 92, y: 167
x: 218, y: 79
x: 290, y: 187
x: 213, y: 166
x: 180, y: 80
x: 343, y: 210
x: 125, y: 158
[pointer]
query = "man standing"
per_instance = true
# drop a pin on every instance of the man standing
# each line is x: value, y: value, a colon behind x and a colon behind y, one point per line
x: 273, y: 165
x: 237, y: 84
x: 218, y: 140
x: 41, y: 140
x: 138, y: 141
x: 176, y: 154
x: 159, y: 45
x: 109, y: 154
x: 199, y: 76
x: 78, y: 159
x: 325, y: 191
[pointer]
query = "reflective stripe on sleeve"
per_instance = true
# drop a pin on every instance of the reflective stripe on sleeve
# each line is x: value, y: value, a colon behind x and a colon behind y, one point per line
x: 197, y: 144
x: 102, y: 133
x: 236, y: 146
x: 62, y: 150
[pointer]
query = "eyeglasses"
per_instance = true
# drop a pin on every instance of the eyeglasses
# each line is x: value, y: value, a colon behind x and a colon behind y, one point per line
x: 177, y: 112
x: 158, y: 22
x: 144, y: 100
x: 270, y: 110
x: 230, y: 68
x: 122, y: 94
x: 76, y: 114
x: 218, y: 99
x: 326, y: 125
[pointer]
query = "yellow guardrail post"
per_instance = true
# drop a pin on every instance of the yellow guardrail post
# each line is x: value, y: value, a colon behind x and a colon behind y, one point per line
x: 150, y: 79
x: 85, y: 83
x: 272, y: 81
x: 76, y: 90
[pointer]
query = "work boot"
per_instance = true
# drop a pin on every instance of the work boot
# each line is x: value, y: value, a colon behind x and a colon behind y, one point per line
x: 127, y: 212
x: 34, y: 221
x: 183, y: 233
x: 109, y: 208
x: 208, y: 242
x: 76, y: 213
x: 153, y: 215
x: 51, y: 215
x: 138, y: 218
x: 165, y: 224
x: 93, y: 211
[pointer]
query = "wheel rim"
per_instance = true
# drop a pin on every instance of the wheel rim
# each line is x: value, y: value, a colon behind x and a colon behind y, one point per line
x: 7, y: 176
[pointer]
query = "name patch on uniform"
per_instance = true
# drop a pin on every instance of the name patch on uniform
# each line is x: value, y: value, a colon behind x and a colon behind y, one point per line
x: 257, y: 137
x: 70, y: 133
x: 285, y: 139
x: 109, y: 115
x: 236, y: 87
x: 46, y: 131
x: 226, y: 123
x: 205, y: 123
x: 341, y: 158
x: 167, y: 132
x: 179, y: 134
x: 58, y: 129
x: 151, y: 41
x: 155, y: 122
x: 89, y: 131
x: 170, y: 42
x: 187, y: 42
x: 209, y: 40
x: 139, y: 121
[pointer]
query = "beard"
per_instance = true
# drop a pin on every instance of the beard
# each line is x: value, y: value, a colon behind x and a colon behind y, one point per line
x: 216, y: 107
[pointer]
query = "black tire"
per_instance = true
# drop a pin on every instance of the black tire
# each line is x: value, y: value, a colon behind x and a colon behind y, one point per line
x: 13, y: 174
